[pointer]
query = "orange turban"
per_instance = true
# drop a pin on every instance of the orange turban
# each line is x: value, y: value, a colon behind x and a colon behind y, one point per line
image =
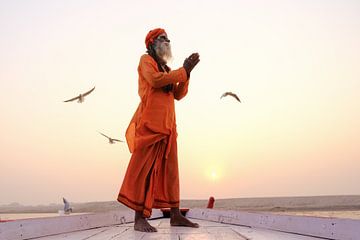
x: 150, y: 37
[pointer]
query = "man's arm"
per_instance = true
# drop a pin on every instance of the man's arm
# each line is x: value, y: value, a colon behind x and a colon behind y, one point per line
x: 181, y: 90
x: 156, y: 79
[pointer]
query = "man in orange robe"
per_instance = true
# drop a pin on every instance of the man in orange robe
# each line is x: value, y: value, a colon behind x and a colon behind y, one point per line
x: 152, y: 176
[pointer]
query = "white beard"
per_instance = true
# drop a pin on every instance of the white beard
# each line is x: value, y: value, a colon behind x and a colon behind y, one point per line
x: 163, y: 51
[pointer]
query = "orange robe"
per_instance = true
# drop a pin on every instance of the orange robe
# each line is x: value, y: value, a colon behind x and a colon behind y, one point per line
x: 152, y: 176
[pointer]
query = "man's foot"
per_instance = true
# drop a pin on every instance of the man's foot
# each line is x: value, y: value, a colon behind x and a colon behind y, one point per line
x: 142, y: 225
x: 177, y: 219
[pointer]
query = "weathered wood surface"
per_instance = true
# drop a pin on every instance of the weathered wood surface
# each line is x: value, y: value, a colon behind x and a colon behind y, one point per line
x: 207, y: 230
x: 38, y: 227
x: 214, y: 224
x: 329, y: 228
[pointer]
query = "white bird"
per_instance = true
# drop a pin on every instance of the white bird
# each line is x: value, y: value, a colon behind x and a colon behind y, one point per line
x: 67, y: 208
x: 230, y: 94
x: 111, y: 140
x: 81, y: 97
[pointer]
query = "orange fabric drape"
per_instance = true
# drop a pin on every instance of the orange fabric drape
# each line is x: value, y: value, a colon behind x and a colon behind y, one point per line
x: 152, y: 178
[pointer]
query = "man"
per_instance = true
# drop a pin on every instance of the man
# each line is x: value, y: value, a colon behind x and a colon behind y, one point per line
x: 152, y: 178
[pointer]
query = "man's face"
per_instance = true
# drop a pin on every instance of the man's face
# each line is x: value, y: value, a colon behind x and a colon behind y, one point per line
x: 163, y: 48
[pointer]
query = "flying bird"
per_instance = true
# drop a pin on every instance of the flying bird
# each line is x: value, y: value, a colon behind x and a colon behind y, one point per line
x: 111, y: 140
x: 81, y: 97
x: 67, y: 208
x: 230, y: 94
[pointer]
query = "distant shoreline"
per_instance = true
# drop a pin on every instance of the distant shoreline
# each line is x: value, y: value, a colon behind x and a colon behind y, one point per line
x: 270, y: 204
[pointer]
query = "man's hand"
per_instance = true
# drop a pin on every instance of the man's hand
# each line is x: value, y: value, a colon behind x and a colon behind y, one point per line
x: 191, y: 62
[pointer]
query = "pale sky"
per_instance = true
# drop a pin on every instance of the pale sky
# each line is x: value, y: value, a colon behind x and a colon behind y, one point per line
x: 294, y: 64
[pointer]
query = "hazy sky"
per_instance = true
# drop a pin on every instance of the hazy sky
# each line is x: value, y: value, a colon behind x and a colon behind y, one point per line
x: 294, y: 64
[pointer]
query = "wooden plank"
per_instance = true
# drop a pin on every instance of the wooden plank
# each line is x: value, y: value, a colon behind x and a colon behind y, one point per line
x: 129, y: 235
x: 331, y: 228
x: 78, y: 235
x: 159, y: 236
x: 214, y: 236
x: 201, y: 236
x: 207, y: 230
x: 112, y: 233
x: 266, y: 234
x: 225, y: 232
x: 35, y: 228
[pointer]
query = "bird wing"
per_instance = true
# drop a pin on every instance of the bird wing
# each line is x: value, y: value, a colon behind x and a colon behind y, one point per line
x: 88, y: 92
x: 235, y: 96
x: 231, y: 94
x: 105, y: 135
x: 72, y: 99
x: 224, y: 95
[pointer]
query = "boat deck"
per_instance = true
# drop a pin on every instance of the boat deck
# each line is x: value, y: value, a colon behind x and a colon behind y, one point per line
x: 214, y: 224
x: 207, y: 230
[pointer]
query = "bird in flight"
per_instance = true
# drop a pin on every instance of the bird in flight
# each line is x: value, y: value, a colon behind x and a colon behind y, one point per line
x: 81, y: 97
x: 67, y: 208
x: 230, y: 94
x: 111, y: 140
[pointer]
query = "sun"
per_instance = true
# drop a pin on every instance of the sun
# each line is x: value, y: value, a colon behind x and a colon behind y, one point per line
x: 214, y: 175
x: 213, y: 172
